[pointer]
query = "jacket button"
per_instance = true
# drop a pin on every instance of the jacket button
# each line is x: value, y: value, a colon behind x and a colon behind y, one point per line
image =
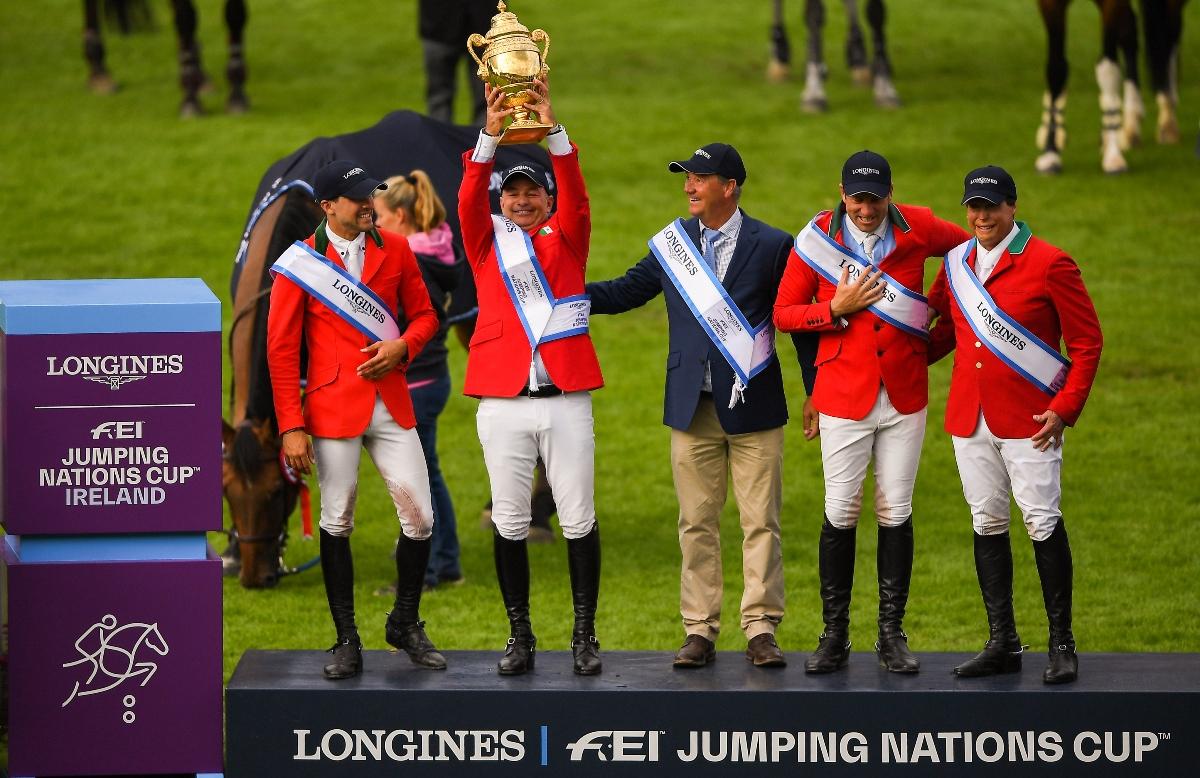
x: 978, y: 364
x: 879, y: 353
x: 878, y: 326
x: 978, y: 344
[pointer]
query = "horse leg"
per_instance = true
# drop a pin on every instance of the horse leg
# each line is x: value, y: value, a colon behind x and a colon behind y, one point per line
x: 856, y: 47
x: 813, y: 99
x: 1162, y: 28
x: 1108, y: 77
x: 191, y: 74
x: 100, y: 80
x: 1052, y: 132
x: 779, y: 65
x: 235, y: 69
x: 886, y: 95
x: 1133, y: 110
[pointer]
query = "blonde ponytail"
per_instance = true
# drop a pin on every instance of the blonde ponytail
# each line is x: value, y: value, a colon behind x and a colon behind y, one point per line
x: 416, y: 195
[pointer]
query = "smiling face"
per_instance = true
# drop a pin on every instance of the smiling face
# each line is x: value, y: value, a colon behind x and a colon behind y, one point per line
x: 525, y: 202
x: 866, y: 211
x: 710, y: 197
x: 990, y: 222
x: 348, y: 218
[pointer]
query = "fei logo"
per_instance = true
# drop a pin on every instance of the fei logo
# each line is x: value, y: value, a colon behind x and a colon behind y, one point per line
x: 118, y: 430
x: 617, y: 745
x: 112, y: 652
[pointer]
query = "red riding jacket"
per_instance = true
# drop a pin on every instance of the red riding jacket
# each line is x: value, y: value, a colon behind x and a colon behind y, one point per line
x: 337, y: 402
x: 498, y: 364
x: 854, y: 360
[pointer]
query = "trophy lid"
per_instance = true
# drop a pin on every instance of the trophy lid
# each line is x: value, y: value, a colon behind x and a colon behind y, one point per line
x: 505, y: 23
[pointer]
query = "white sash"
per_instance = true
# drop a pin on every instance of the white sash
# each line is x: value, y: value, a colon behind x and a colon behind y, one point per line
x: 349, y: 298
x: 1003, y: 335
x: 543, y: 317
x: 747, y: 349
x: 900, y: 306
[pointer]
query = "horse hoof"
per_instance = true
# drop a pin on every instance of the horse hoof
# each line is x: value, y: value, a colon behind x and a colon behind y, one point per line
x: 860, y: 75
x: 1049, y: 163
x: 190, y: 109
x: 102, y: 84
x: 1168, y: 133
x: 886, y: 95
x: 814, y: 104
x: 888, y: 102
x: 237, y: 105
x: 777, y: 72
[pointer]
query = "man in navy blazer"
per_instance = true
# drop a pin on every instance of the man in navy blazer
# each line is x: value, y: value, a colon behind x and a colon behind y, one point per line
x: 720, y: 426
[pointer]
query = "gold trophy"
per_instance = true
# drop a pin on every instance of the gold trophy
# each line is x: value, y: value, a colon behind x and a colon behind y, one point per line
x: 511, y: 61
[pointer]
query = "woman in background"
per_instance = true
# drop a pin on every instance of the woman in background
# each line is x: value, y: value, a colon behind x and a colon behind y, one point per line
x: 410, y: 207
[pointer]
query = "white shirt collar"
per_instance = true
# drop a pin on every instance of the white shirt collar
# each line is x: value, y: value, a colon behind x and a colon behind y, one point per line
x: 731, y: 227
x: 986, y: 259
x: 859, y: 236
x: 342, y: 245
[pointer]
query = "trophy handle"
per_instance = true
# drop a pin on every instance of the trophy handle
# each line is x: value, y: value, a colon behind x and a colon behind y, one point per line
x: 477, y: 40
x: 540, y: 35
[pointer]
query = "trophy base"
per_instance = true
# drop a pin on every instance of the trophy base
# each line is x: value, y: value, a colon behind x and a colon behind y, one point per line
x: 524, y: 132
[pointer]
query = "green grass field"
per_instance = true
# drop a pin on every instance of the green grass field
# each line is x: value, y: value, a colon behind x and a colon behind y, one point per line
x: 117, y: 186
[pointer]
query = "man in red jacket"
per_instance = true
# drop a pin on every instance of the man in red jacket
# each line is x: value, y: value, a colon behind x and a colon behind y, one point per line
x: 855, y: 276
x: 340, y: 293
x: 1006, y: 299
x: 533, y: 366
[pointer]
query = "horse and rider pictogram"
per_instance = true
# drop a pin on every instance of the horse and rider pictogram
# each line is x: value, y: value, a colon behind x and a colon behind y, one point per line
x: 113, y: 654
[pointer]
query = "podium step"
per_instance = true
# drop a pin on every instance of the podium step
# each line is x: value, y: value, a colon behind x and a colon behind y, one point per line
x: 1128, y: 714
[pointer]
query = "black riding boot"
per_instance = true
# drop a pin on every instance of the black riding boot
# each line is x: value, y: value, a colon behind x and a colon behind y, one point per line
x: 994, y: 567
x: 894, y: 561
x: 512, y: 571
x: 1053, y: 556
x: 337, y: 567
x: 583, y: 561
x: 836, y: 559
x: 404, y: 629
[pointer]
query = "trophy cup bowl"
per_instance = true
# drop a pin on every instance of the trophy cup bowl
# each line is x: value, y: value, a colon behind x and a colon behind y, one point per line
x: 512, y: 58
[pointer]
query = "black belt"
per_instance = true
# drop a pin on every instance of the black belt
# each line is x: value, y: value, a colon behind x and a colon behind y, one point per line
x: 545, y: 390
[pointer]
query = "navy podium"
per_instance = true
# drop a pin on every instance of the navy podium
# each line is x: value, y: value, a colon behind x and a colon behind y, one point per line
x: 1129, y: 714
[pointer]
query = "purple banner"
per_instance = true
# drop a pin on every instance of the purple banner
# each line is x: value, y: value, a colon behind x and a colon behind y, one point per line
x: 115, y: 667
x: 111, y: 433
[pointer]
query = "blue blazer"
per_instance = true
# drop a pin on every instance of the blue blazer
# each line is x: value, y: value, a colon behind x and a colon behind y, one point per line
x: 752, y: 280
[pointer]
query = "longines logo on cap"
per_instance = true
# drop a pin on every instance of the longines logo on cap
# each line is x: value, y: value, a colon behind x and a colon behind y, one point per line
x: 114, y: 370
x: 864, y: 171
x: 982, y: 180
x: 703, y: 153
x: 354, y: 172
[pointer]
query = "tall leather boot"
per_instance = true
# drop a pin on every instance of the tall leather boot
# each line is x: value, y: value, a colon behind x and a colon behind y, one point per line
x: 512, y: 571
x: 337, y: 568
x: 994, y: 567
x: 836, y: 561
x: 404, y: 628
x: 583, y: 561
x: 1053, y: 556
x: 894, y: 559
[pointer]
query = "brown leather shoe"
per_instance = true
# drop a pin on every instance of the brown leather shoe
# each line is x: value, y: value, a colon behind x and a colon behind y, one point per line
x: 763, y: 651
x: 696, y: 651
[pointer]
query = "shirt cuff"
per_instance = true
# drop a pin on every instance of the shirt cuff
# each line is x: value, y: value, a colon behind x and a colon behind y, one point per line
x: 557, y: 141
x: 485, y: 147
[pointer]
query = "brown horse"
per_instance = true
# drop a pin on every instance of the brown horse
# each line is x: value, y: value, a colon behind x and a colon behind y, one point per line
x: 129, y: 14
x: 260, y: 494
x: 1121, y: 104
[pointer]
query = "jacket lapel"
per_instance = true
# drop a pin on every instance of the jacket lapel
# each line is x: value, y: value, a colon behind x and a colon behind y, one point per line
x: 372, y: 260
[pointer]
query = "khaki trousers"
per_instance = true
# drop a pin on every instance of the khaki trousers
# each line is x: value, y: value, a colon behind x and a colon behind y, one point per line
x: 702, y: 460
